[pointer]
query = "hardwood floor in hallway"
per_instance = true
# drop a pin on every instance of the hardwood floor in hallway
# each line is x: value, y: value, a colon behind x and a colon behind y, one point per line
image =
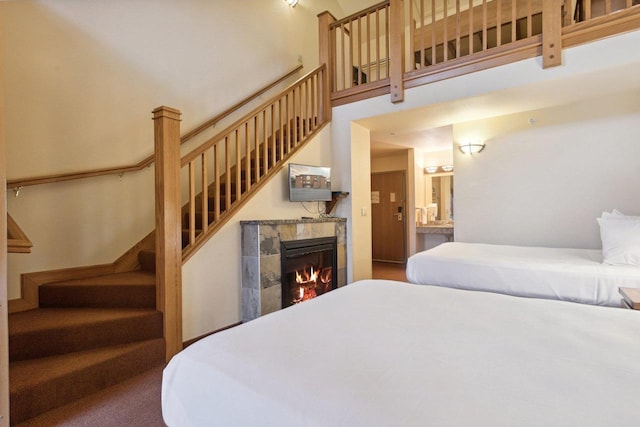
x: 389, y: 270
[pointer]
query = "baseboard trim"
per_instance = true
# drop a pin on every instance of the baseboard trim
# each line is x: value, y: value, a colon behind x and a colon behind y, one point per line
x: 191, y: 341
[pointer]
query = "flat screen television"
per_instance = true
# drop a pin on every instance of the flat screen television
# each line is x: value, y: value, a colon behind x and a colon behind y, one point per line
x: 309, y: 183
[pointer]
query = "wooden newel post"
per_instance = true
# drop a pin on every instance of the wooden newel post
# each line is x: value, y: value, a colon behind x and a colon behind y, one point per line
x: 396, y: 50
x: 168, y: 233
x: 551, y: 33
x: 326, y: 39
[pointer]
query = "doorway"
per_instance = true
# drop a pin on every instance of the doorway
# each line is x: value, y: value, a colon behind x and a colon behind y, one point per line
x: 388, y: 213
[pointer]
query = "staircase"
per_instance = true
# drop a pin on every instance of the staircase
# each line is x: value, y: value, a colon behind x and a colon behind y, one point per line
x: 87, y: 334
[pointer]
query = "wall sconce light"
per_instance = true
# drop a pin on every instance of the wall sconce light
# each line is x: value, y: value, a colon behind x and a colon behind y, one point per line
x: 431, y: 169
x: 471, y: 147
x: 292, y: 3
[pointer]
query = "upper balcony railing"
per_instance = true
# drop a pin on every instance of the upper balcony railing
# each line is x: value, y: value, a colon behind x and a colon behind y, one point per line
x: 405, y: 43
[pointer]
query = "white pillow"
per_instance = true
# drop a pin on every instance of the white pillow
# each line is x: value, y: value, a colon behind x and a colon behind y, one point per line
x: 620, y: 240
x: 618, y: 215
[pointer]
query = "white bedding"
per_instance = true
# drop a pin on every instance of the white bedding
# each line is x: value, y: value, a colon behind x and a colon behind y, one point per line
x: 383, y: 353
x: 576, y: 275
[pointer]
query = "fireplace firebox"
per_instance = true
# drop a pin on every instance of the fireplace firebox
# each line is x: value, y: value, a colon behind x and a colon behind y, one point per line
x: 308, y: 268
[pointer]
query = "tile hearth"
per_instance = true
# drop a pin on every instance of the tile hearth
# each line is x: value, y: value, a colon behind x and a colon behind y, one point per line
x: 261, y: 275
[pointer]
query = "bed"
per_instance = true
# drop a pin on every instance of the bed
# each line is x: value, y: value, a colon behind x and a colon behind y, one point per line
x: 576, y: 275
x: 384, y: 353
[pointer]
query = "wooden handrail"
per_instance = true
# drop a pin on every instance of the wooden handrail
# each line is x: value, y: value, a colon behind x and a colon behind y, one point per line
x: 360, y: 14
x: 189, y: 157
x: 148, y: 161
x: 228, y: 168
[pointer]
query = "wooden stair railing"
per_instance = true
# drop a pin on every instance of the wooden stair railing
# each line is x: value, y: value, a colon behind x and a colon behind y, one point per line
x: 237, y: 161
x: 399, y: 44
x: 17, y: 240
x: 222, y: 175
x: 18, y: 183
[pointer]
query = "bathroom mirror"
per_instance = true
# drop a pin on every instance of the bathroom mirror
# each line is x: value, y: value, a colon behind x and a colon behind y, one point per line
x: 441, y: 193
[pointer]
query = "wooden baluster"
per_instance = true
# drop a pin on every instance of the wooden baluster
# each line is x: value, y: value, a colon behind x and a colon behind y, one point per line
x: 359, y: 45
x: 445, y: 37
x: 368, y: 62
x: 247, y: 157
x: 378, y: 44
x: 295, y: 99
x: 205, y: 193
x: 529, y: 23
x: 457, y: 28
x: 434, y: 57
x: 308, y: 106
x: 168, y: 232
x: 265, y: 139
x: 287, y: 125
x: 256, y: 143
x: 343, y: 70
x: 216, y: 180
x: 238, y: 165
x: 283, y: 126
x: 484, y: 25
x: 349, y: 54
x: 499, y: 24
x: 192, y: 202
x: 387, y: 39
x: 422, y: 59
x: 471, y: 29
x: 227, y: 173
x: 514, y: 21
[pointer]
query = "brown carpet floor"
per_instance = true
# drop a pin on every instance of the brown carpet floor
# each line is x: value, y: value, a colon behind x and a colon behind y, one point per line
x: 135, y: 403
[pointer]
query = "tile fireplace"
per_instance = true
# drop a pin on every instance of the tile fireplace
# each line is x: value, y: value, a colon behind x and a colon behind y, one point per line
x: 274, y: 252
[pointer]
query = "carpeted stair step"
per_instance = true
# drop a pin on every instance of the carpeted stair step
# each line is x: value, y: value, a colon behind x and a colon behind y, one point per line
x: 39, y: 385
x: 135, y: 289
x: 50, y: 331
x: 147, y: 261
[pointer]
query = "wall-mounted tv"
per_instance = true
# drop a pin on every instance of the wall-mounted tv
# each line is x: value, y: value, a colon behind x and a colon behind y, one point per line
x: 309, y: 183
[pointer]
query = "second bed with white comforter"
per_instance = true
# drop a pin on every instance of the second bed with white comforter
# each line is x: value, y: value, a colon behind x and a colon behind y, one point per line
x: 576, y: 275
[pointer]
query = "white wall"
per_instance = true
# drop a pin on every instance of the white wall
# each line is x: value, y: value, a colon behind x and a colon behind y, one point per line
x: 544, y: 184
x: 211, y: 278
x: 516, y: 87
x: 81, y: 79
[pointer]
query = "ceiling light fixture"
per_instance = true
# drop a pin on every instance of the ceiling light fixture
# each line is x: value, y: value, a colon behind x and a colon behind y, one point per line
x: 471, y: 147
x: 292, y: 3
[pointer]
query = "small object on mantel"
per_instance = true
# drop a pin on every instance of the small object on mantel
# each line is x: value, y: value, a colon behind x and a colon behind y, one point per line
x: 631, y: 297
x: 335, y: 195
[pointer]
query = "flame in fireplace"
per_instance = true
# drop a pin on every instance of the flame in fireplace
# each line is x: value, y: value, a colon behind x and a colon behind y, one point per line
x: 312, y: 282
x: 307, y: 276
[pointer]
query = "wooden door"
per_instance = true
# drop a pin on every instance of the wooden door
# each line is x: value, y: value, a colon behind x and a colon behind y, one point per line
x: 388, y: 231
